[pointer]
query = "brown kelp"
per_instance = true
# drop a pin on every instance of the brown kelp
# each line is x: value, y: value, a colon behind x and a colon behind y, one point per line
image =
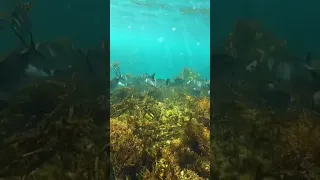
x: 159, y: 138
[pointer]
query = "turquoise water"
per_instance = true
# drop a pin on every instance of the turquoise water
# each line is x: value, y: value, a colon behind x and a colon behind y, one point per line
x: 161, y: 37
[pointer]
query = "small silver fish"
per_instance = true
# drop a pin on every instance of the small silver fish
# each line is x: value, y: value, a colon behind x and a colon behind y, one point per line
x: 149, y: 79
x: 316, y: 102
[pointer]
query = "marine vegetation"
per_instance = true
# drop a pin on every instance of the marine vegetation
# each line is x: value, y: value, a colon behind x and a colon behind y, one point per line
x: 262, y: 128
x: 159, y: 138
x: 249, y: 143
x: 188, y: 74
x: 55, y: 130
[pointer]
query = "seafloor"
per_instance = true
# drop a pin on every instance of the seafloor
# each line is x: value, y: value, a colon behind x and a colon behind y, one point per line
x: 55, y: 130
x: 159, y: 134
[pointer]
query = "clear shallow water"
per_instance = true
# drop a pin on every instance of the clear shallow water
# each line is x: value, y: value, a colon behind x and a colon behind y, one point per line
x: 161, y: 37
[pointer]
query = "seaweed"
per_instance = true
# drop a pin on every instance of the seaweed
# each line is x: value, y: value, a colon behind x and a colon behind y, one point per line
x: 55, y: 130
x: 249, y: 140
x: 159, y: 138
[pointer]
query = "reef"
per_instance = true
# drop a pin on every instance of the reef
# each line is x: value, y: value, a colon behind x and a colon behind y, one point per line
x: 159, y: 138
x: 255, y: 132
x: 55, y: 129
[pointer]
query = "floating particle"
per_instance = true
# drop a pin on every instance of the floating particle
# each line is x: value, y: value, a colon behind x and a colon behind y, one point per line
x: 160, y: 39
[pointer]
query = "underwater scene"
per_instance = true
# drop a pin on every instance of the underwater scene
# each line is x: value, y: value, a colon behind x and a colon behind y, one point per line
x: 121, y: 90
x: 54, y: 80
x: 160, y: 89
x: 265, y: 98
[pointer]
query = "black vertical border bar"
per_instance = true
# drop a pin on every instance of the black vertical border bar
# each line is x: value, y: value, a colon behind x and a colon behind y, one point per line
x: 107, y: 23
x: 211, y: 91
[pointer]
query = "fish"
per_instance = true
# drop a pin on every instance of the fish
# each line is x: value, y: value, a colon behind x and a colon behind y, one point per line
x: 315, y: 103
x: 305, y: 63
x: 33, y: 71
x: 130, y: 80
x: 115, y: 82
x: 143, y: 82
x: 313, y: 73
x: 14, y: 67
x: 21, y: 25
x: 201, y: 85
x: 62, y: 60
x: 178, y: 81
x: 148, y: 79
x: 7, y: 7
x: 162, y: 82
x: 59, y: 57
x: 196, y: 83
x: 196, y: 92
x: 198, y: 87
